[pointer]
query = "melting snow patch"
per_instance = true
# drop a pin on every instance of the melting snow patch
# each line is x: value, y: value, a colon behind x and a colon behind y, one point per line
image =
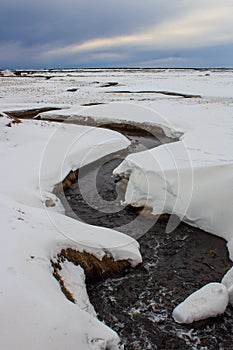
x: 209, y: 301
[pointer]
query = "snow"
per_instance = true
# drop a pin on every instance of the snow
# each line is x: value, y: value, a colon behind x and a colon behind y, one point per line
x: 227, y: 280
x: 74, y: 280
x: 34, y: 157
x: 7, y: 73
x: 209, y: 301
x: 117, y: 112
x: 33, y: 308
x: 191, y: 178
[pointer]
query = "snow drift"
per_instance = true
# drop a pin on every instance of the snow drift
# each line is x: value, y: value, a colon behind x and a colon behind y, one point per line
x: 34, y: 312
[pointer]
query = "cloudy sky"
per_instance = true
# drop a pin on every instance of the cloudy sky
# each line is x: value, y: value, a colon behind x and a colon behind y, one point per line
x: 116, y: 33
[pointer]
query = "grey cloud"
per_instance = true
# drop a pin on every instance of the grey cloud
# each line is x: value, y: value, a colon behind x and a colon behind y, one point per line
x: 29, y: 29
x: 68, y: 21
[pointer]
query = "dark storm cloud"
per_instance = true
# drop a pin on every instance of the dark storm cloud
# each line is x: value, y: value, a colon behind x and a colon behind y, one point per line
x: 114, y: 33
x: 71, y: 20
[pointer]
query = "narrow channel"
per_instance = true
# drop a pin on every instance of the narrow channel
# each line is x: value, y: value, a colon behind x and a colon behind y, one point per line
x: 138, y: 305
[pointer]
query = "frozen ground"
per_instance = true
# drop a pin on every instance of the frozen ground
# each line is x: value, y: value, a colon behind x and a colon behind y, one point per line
x: 193, y: 180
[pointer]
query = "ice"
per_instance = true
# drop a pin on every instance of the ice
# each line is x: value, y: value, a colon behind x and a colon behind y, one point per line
x: 209, y: 301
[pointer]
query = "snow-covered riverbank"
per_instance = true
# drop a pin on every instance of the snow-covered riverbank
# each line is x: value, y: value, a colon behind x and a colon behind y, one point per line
x: 34, y: 157
x: 191, y: 178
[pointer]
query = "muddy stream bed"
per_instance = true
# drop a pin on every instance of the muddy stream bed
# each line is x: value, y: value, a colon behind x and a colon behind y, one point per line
x: 139, y: 305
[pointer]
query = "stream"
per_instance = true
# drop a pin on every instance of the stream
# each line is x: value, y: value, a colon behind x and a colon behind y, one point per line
x: 139, y: 305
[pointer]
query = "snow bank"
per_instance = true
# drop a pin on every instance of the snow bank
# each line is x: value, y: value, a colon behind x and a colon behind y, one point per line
x: 118, y: 112
x: 191, y: 178
x: 228, y: 282
x: 187, y: 179
x: 74, y: 280
x: 7, y: 73
x: 34, y: 312
x: 209, y: 301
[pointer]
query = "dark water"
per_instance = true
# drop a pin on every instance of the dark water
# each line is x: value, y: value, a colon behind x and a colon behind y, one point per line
x: 96, y: 197
x: 138, y: 306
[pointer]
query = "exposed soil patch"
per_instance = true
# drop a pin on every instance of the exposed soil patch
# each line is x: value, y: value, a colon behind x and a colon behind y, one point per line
x: 56, y: 265
x: 13, y: 121
x: 94, y: 268
x: 29, y: 113
x: 92, y: 104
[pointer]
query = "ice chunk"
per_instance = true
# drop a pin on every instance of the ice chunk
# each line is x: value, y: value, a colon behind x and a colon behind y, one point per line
x: 228, y: 282
x: 7, y: 73
x: 209, y: 301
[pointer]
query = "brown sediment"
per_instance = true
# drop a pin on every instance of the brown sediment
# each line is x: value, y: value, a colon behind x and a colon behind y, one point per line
x: 66, y: 183
x: 94, y: 268
x: 92, y: 104
x: 137, y: 129
x: 49, y: 203
x: 56, y: 268
x: 29, y: 113
x: 14, y: 120
x: 147, y: 212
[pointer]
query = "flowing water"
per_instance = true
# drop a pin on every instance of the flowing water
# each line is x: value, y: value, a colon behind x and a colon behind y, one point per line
x: 138, y: 305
